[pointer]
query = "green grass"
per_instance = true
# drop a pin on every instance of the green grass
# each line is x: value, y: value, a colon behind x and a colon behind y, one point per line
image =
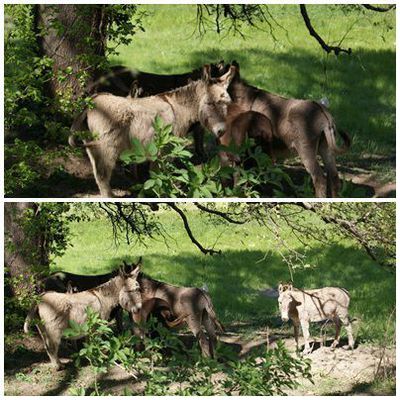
x: 361, y: 87
x: 249, y: 263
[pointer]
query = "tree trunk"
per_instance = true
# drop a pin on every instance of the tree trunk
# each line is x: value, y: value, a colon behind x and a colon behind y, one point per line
x: 21, y: 251
x: 73, y: 36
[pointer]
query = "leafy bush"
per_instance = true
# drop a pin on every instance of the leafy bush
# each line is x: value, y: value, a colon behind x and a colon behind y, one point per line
x: 173, y: 173
x: 169, y: 368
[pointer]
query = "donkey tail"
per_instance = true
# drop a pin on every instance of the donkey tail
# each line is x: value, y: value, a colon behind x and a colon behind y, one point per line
x: 330, y: 136
x: 211, y: 312
x: 31, y: 315
x: 78, y: 125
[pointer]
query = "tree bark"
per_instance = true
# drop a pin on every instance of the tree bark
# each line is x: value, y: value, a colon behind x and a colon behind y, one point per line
x: 72, y: 36
x: 21, y: 252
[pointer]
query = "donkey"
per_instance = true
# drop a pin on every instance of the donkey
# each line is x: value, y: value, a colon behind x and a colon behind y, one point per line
x: 116, y: 120
x: 305, y: 306
x: 55, y: 310
x: 66, y: 282
x: 240, y: 125
x: 122, y: 81
x: 306, y: 128
x: 159, y: 309
x: 188, y: 304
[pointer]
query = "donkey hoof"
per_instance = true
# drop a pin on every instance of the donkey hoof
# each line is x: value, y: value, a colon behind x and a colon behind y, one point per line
x: 59, y: 367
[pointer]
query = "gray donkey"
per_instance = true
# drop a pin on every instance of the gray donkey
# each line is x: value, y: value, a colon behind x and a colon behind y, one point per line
x: 188, y: 304
x: 301, y: 127
x: 305, y: 306
x: 55, y: 310
x: 116, y: 120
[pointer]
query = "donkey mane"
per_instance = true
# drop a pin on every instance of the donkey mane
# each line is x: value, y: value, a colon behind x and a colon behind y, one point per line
x: 183, y: 89
x: 107, y: 287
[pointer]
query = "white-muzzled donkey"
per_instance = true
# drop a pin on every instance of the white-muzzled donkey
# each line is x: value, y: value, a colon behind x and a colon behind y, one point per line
x: 305, y: 306
x: 116, y: 120
x: 55, y: 310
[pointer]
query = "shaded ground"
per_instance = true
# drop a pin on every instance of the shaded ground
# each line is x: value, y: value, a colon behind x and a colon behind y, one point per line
x: 342, y: 372
x: 72, y: 177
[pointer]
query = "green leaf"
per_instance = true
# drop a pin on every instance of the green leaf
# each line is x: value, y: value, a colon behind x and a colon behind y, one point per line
x: 149, y: 184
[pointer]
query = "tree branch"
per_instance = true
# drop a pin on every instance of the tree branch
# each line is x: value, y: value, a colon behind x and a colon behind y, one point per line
x: 219, y: 214
x: 189, y: 231
x: 336, y: 49
x: 379, y: 9
x: 347, y: 226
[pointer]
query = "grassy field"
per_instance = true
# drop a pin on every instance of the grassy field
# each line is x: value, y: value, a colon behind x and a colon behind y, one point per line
x: 249, y: 264
x: 360, y: 87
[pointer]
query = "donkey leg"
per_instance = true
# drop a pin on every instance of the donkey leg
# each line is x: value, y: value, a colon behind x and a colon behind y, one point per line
x: 330, y: 166
x: 346, y: 322
x: 103, y: 163
x: 210, y: 328
x: 51, y: 344
x: 195, y: 327
x: 306, y: 334
x: 296, y: 325
x: 338, y: 325
x: 308, y: 157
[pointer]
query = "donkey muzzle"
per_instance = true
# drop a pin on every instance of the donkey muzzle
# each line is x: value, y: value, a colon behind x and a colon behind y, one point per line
x: 219, y: 129
x: 136, y: 308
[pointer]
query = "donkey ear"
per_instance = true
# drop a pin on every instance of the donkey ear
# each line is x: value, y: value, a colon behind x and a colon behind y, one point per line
x: 135, y: 91
x: 280, y: 287
x: 206, y: 73
x: 135, y: 272
x: 220, y: 65
x: 139, y: 263
x: 290, y: 286
x: 236, y: 64
x: 121, y: 272
x: 227, y: 78
x: 125, y: 267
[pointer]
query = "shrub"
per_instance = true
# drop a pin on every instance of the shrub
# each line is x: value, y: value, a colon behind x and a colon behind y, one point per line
x: 169, y: 368
x: 173, y: 173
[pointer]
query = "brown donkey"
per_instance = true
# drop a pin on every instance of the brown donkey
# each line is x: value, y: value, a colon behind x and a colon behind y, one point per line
x: 161, y: 311
x: 241, y: 124
x: 116, y: 120
x: 305, y: 127
x: 188, y: 304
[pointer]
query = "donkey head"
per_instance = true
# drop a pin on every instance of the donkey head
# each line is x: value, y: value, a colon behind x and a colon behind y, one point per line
x: 130, y: 297
x: 286, y: 300
x: 214, y: 104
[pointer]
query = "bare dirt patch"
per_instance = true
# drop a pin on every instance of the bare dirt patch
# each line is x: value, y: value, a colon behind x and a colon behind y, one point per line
x: 339, y: 372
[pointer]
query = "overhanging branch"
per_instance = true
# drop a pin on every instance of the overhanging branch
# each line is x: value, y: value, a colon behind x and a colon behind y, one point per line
x: 336, y: 49
x: 189, y: 231
x: 219, y: 214
x: 379, y: 9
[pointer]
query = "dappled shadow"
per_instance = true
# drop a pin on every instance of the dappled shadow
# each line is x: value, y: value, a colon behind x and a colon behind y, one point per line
x: 367, y: 389
x: 69, y: 375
